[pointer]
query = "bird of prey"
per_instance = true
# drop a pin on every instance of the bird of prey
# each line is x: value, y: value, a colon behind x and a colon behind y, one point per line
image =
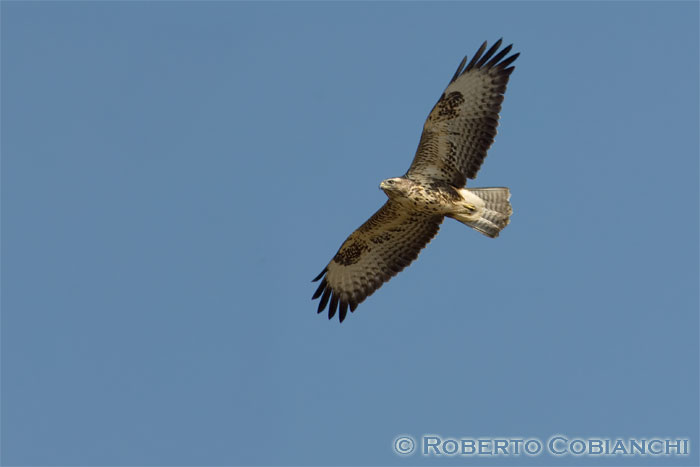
x: 458, y: 132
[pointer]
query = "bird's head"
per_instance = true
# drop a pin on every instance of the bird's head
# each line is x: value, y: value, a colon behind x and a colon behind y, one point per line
x: 394, y: 186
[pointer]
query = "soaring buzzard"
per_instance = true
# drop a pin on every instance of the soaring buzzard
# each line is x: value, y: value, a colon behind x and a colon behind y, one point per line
x: 459, y: 130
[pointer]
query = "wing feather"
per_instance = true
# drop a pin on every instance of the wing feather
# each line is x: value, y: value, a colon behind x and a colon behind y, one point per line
x: 476, y: 57
x: 381, y: 248
x: 462, y: 126
x: 489, y: 54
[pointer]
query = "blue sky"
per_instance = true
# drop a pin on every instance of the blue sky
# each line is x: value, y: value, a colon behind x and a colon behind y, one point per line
x: 175, y: 174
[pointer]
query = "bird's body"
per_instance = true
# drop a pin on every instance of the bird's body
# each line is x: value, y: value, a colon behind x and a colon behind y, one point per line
x: 432, y: 198
x: 437, y: 198
x: 458, y: 132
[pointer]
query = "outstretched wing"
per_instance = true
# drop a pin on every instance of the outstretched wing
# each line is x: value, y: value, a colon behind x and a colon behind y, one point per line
x: 462, y: 125
x: 383, y: 246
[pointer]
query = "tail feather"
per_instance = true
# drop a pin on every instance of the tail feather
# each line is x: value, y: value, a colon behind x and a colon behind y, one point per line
x: 496, y: 213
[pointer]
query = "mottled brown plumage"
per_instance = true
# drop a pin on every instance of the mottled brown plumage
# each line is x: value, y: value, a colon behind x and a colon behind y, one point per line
x: 383, y: 246
x: 456, y: 136
x: 462, y: 125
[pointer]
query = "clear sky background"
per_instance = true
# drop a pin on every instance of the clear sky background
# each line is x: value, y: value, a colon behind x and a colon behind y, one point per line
x: 175, y: 174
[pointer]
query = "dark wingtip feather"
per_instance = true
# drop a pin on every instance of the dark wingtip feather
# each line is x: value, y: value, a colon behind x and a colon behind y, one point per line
x: 324, y: 299
x: 321, y: 288
x: 508, y: 60
x: 333, y: 306
x: 332, y: 299
x: 343, y: 311
x: 489, y: 54
x: 325, y: 270
x: 459, y: 69
x: 476, y: 57
x: 499, y: 56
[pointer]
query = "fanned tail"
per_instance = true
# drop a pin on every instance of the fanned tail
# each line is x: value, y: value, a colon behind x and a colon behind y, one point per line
x: 496, y: 212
